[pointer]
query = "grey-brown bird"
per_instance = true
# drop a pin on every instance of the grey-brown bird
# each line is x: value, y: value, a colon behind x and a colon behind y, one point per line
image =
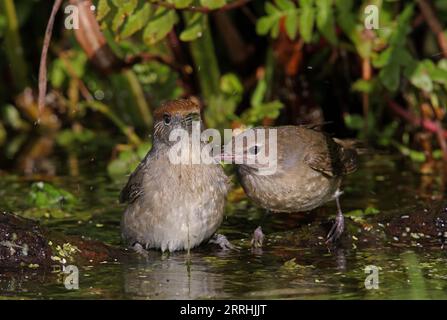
x: 309, y: 169
x: 173, y: 206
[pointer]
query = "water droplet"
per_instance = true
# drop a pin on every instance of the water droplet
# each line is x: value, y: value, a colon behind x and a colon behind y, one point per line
x: 99, y: 95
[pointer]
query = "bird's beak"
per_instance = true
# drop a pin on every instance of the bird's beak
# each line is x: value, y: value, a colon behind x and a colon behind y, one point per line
x: 230, y: 158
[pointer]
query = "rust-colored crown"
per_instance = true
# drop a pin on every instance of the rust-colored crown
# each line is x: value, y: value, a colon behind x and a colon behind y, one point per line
x: 180, y: 107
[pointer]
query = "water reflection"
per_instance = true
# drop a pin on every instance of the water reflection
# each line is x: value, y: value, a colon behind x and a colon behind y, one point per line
x: 171, y: 278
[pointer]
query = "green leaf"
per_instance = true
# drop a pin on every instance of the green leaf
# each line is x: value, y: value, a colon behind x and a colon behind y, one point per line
x: 437, y: 73
x: 180, y: 4
x: 390, y: 76
x: 259, y: 112
x: 103, y: 9
x: 292, y: 25
x: 354, y: 121
x: 137, y: 21
x: 213, y: 4
x: 270, y: 9
x: 325, y: 20
x: 420, y: 77
x: 125, y: 9
x: 231, y: 85
x: 442, y: 64
x: 69, y: 138
x: 265, y: 24
x: 159, y: 25
x: 285, y: 5
x: 307, y: 19
x: 259, y: 93
x: 57, y: 74
x: 45, y: 195
x: 194, y: 28
x: 396, y: 55
x: 270, y: 22
x: 363, y: 86
x: 344, y: 5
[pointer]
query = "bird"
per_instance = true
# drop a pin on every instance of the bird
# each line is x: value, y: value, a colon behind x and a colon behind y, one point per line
x: 308, y: 168
x: 173, y: 206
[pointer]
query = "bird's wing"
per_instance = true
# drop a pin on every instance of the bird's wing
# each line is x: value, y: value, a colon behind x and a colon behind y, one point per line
x: 134, y: 187
x: 333, y: 160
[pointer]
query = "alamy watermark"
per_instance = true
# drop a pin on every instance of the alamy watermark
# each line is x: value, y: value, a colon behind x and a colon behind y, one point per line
x: 71, y: 281
x: 371, y: 17
x: 255, y: 148
x: 372, y: 279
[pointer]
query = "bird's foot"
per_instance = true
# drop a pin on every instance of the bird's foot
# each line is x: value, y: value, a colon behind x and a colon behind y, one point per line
x: 336, y: 230
x: 258, y: 238
x: 138, y: 248
x: 222, y: 241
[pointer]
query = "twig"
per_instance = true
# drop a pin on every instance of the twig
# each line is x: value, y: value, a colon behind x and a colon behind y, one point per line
x: 43, y: 58
x: 366, y: 75
x: 434, y: 24
x: 227, y: 7
x: 145, y: 57
x: 82, y: 87
x: 441, y: 139
x: 416, y: 121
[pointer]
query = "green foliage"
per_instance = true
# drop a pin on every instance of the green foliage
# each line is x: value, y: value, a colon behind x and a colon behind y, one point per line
x: 62, y: 69
x: 127, y: 161
x: 280, y: 9
x: 326, y: 21
x: 405, y: 66
x: 44, y: 195
x: 2, y: 25
x: 370, y: 210
x: 74, y: 139
x: 194, y: 29
x: 395, y: 56
x: 303, y: 17
x: 159, y: 25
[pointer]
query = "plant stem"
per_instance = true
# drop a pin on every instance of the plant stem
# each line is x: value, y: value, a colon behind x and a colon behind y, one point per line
x: 415, y: 120
x: 104, y: 109
x: 138, y: 95
x: 232, y: 5
x: 434, y: 24
x: 205, y: 61
x: 13, y: 45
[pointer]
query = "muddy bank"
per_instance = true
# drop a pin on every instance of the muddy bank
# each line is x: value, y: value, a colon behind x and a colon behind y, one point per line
x: 25, y: 244
x: 406, y: 227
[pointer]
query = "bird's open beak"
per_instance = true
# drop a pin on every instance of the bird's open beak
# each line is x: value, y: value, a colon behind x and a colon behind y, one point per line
x: 225, y: 157
x: 230, y: 158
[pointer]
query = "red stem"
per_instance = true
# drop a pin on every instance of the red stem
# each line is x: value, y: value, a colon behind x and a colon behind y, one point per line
x: 43, y: 58
x: 230, y: 6
x: 416, y: 121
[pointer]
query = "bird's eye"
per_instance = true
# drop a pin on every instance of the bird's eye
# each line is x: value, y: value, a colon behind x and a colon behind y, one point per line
x: 254, y: 150
x: 167, y: 118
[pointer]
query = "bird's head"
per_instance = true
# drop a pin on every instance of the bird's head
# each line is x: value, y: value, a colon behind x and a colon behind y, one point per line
x: 253, y: 150
x: 174, y: 115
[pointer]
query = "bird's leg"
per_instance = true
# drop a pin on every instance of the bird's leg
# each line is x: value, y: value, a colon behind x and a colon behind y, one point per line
x: 138, y: 248
x: 339, y: 224
x: 222, y: 241
x: 258, y: 238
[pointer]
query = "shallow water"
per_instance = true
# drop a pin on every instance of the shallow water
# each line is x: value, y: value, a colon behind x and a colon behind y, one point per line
x: 280, y: 270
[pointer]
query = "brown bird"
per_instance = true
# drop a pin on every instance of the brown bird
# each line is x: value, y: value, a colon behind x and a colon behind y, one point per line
x: 309, y: 169
x: 172, y: 206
